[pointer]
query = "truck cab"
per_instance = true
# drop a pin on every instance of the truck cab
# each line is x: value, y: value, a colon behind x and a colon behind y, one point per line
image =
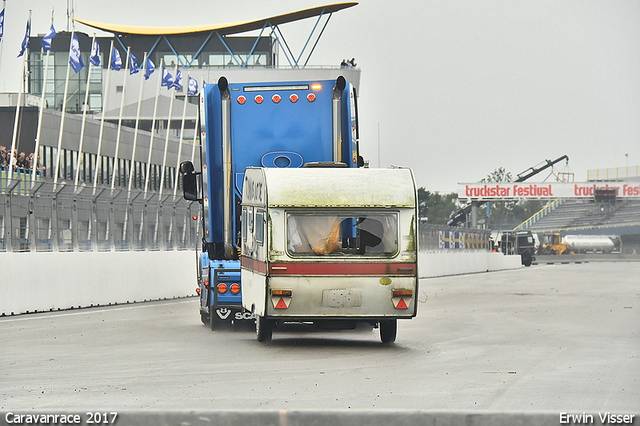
x: 329, y: 246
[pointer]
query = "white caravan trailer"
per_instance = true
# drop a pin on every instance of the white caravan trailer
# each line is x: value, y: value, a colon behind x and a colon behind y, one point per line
x: 331, y: 246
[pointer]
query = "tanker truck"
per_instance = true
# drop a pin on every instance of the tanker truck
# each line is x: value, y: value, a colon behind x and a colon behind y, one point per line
x: 593, y: 243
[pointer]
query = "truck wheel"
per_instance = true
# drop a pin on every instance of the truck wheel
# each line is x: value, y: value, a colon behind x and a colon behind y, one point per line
x: 526, y: 259
x: 264, y: 329
x: 388, y: 329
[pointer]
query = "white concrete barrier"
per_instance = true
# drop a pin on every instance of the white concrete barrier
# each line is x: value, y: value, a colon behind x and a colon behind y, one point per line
x: 37, y: 282
x: 439, y: 264
x: 32, y: 282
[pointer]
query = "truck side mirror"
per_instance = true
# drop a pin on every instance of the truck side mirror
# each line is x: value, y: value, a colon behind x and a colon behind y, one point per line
x: 189, y: 181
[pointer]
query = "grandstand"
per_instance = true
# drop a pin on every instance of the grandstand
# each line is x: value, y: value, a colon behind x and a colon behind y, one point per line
x: 587, y: 214
x: 592, y: 216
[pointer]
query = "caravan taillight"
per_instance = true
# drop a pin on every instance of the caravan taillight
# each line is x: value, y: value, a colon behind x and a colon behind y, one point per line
x: 311, y: 97
x: 293, y: 98
x: 222, y: 288
x: 235, y: 288
x: 276, y: 98
x: 402, y: 293
x: 242, y: 100
x: 259, y: 99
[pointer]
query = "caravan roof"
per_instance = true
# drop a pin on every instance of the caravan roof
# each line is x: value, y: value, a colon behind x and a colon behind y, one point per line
x: 332, y: 187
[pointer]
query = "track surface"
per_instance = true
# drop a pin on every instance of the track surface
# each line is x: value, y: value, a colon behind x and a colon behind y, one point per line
x: 560, y: 338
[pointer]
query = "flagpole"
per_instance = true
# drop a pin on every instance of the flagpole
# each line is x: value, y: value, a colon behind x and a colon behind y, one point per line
x: 64, y: 110
x: 4, y: 6
x: 135, y: 135
x: 184, y: 115
x: 124, y: 91
x: 153, y: 125
x: 36, y: 150
x: 104, y: 107
x: 196, y: 133
x: 195, y: 138
x: 17, y: 120
x: 166, y: 139
x: 85, y: 107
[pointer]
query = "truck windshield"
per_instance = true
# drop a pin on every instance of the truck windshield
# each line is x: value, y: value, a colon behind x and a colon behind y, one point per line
x: 328, y: 234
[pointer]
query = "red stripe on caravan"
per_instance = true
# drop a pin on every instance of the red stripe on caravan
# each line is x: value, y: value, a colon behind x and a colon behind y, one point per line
x: 341, y: 268
x: 255, y: 265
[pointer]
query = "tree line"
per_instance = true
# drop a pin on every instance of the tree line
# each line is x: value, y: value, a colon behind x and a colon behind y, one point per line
x: 437, y: 208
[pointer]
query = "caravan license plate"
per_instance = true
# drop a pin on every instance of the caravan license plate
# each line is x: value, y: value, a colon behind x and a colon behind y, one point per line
x: 342, y: 298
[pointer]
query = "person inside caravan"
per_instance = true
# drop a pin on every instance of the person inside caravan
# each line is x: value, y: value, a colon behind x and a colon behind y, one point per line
x: 341, y: 235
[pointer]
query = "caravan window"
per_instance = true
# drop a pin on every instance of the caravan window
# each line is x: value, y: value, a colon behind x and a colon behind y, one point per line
x: 259, y: 226
x: 332, y: 234
x: 244, y: 224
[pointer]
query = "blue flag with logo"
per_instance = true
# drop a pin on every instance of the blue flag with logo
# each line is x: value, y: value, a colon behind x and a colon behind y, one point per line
x: 25, y: 41
x: 177, y: 83
x: 1, y: 24
x: 167, y: 79
x: 75, y: 59
x: 192, y: 87
x: 46, y: 40
x: 95, y: 54
x: 133, y: 64
x: 116, y: 61
x: 149, y: 69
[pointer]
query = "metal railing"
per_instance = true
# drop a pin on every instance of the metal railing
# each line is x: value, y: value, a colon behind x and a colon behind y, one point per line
x: 613, y: 173
x: 40, y: 216
x: 539, y: 214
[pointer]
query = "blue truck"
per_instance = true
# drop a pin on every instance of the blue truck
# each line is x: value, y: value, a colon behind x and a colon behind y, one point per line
x: 279, y: 124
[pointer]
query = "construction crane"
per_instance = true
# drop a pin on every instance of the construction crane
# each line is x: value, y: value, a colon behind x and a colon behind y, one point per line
x: 460, y: 216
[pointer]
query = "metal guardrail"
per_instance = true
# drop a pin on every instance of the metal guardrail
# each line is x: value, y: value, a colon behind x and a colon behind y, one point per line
x: 443, y: 237
x: 40, y: 216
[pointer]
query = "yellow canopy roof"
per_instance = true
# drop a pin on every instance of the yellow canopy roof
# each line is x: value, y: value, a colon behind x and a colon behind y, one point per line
x: 233, y: 28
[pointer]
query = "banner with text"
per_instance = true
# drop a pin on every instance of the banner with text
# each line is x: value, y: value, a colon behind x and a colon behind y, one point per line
x: 511, y: 190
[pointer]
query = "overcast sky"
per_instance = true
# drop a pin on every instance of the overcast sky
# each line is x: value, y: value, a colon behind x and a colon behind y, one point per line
x: 452, y: 89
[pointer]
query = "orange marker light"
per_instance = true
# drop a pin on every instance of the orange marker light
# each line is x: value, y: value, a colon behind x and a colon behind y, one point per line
x: 316, y: 86
x: 222, y: 288
x: 242, y: 100
x: 276, y: 98
x: 293, y: 98
x: 235, y: 288
x: 259, y: 99
x: 311, y: 97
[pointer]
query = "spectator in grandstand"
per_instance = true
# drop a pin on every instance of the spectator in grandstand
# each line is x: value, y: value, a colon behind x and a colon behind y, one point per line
x: 39, y: 166
x: 22, y: 162
x: 12, y: 159
x: 3, y: 159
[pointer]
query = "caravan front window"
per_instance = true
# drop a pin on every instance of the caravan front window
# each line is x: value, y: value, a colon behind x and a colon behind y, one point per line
x: 338, y: 234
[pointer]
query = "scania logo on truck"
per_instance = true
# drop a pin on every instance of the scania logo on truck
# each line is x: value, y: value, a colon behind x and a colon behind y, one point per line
x: 244, y: 316
x: 223, y: 313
